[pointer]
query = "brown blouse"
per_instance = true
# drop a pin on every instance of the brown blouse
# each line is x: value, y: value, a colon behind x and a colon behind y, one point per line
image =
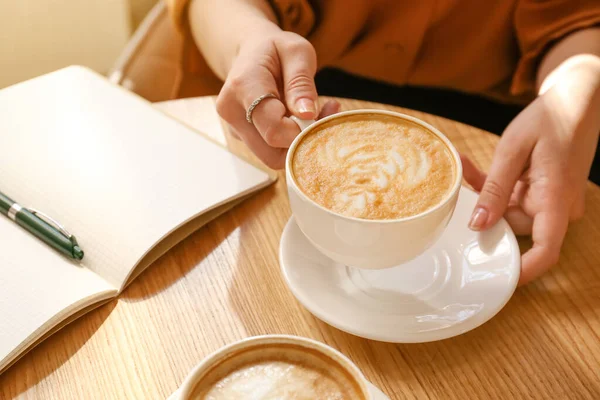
x: 488, y: 47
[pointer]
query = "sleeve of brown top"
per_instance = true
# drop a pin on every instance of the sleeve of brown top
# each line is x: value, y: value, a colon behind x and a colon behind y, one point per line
x: 294, y: 15
x: 539, y: 23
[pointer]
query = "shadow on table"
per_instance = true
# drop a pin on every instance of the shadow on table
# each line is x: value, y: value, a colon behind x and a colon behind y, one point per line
x: 189, y: 253
x: 531, y: 348
x: 174, y: 265
x: 163, y: 273
x: 26, y: 372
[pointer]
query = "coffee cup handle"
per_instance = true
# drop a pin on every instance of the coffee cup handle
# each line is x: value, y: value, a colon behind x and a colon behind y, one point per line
x: 302, y: 123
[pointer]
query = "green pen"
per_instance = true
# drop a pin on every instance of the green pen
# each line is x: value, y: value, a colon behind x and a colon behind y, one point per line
x: 42, y: 227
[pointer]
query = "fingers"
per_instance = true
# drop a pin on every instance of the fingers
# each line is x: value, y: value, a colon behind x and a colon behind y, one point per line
x: 271, y: 132
x: 507, y: 167
x: 283, y: 65
x: 270, y: 120
x: 273, y: 158
x: 299, y: 65
x: 473, y: 175
x: 268, y: 117
x: 234, y: 134
x: 518, y: 214
x: 549, y: 229
x: 519, y: 221
x: 232, y: 105
x: 329, y: 108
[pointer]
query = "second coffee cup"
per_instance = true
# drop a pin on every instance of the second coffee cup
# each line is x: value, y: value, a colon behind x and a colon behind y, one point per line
x: 276, y: 367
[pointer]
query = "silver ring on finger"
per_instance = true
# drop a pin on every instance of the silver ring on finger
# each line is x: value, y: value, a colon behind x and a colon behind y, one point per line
x: 255, y: 104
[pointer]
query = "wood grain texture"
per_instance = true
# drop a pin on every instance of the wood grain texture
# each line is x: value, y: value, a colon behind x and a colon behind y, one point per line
x: 223, y: 283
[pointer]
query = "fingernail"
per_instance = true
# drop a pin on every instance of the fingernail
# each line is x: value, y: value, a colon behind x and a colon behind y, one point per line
x: 478, y: 219
x: 306, y: 106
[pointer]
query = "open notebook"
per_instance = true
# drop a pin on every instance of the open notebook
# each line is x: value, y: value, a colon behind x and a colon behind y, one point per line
x: 126, y: 179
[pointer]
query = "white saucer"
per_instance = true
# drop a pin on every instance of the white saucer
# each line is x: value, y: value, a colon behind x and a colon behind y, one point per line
x: 461, y: 282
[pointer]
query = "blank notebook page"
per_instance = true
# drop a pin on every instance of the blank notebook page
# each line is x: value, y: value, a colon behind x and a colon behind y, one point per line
x: 38, y: 286
x: 115, y: 171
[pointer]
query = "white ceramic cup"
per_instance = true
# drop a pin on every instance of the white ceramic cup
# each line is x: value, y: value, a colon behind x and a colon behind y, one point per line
x: 194, y: 378
x: 369, y: 244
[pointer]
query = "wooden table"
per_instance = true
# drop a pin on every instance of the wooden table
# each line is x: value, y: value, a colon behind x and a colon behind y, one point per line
x: 223, y: 283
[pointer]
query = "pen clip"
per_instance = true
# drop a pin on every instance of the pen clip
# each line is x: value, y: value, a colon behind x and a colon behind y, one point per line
x: 50, y: 221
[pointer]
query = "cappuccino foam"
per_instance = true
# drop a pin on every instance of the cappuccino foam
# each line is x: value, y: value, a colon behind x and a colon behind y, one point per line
x: 374, y: 166
x: 277, y: 372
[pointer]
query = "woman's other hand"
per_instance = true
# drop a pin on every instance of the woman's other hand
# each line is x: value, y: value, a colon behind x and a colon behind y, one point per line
x: 538, y: 176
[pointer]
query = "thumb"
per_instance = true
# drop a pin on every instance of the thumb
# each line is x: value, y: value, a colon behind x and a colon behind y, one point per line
x: 507, y: 167
x: 299, y: 65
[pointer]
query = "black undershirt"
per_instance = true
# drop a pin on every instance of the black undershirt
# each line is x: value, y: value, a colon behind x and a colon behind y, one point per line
x: 470, y: 109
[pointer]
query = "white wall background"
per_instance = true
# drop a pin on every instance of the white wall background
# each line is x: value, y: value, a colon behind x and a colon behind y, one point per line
x: 39, y: 36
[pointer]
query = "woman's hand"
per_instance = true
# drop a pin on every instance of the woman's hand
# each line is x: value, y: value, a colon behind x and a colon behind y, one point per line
x: 277, y: 62
x: 538, y: 176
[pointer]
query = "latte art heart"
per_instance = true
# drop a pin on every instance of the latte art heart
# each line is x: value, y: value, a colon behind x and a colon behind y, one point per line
x: 374, y: 167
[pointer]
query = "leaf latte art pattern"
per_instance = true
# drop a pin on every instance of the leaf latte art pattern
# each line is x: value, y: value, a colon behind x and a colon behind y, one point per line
x: 374, y: 167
